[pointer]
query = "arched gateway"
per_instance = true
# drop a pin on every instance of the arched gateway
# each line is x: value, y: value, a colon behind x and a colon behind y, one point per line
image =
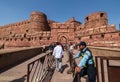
x: 63, y: 39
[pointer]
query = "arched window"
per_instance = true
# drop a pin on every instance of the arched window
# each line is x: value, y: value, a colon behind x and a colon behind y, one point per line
x: 29, y: 39
x: 21, y: 39
x: 15, y: 39
x: 24, y: 35
x: 27, y: 30
x: 40, y: 38
x: 87, y: 18
x: 90, y: 36
x: 48, y: 38
x: 102, y: 14
x: 79, y: 38
x: 102, y: 35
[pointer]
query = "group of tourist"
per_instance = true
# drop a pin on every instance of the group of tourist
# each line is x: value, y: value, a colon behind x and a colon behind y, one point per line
x: 85, y: 66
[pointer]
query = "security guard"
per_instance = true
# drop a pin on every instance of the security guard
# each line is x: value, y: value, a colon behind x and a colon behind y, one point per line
x: 86, y: 65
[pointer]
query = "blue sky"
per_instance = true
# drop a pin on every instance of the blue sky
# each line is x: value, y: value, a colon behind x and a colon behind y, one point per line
x: 59, y: 10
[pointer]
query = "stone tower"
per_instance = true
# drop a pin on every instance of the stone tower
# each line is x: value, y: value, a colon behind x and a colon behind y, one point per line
x: 96, y: 19
x: 38, y: 22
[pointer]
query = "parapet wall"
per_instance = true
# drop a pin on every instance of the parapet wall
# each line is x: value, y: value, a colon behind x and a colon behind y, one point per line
x: 15, y: 28
x: 104, y: 51
x: 110, y: 39
x: 10, y: 57
x: 16, y: 24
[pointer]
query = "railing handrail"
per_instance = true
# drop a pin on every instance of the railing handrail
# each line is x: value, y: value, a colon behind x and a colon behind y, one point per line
x: 41, y: 55
x: 38, y: 69
x: 105, y: 48
x: 108, y: 57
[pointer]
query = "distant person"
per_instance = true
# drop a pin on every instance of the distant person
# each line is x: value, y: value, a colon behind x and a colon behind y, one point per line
x: 70, y: 51
x: 51, y: 47
x: 71, y: 48
x: 58, y: 54
x: 62, y: 45
x: 43, y: 47
x: 86, y: 65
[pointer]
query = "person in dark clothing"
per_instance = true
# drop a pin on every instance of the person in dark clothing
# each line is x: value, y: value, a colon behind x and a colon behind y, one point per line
x: 86, y: 65
x: 51, y: 47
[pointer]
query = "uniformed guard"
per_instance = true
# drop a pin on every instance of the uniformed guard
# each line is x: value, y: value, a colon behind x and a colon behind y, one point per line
x: 86, y: 64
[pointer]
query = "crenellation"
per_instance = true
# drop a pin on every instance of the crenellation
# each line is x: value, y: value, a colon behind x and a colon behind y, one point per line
x: 96, y: 20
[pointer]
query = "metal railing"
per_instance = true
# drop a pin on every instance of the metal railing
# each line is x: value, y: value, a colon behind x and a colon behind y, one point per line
x: 38, y: 69
x: 108, y: 69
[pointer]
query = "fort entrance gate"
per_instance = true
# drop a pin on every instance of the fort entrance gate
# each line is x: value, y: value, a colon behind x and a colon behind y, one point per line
x: 63, y: 40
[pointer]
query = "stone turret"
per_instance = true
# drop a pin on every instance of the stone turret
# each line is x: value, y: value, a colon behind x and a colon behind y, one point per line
x: 38, y: 21
x: 96, y: 19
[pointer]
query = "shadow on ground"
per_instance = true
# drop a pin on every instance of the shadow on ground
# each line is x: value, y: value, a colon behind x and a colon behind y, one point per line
x: 49, y: 75
x: 22, y: 79
x: 64, y: 67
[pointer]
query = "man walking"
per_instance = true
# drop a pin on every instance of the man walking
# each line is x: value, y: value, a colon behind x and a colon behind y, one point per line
x: 86, y: 65
x: 58, y: 54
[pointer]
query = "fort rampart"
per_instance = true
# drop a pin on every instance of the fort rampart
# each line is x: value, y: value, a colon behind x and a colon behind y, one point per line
x: 38, y: 30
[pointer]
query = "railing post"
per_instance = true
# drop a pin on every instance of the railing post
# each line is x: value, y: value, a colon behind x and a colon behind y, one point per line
x: 96, y: 60
x: 102, y: 70
x: 28, y: 73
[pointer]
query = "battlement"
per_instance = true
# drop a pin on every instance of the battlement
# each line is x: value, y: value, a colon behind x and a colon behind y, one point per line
x: 96, y: 19
x: 16, y: 24
x: 37, y: 13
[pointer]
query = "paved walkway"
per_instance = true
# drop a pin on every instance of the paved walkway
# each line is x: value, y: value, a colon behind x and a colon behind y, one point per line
x: 63, y: 77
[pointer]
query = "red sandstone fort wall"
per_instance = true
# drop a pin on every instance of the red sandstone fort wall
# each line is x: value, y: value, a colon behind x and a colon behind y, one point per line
x: 38, y: 31
x: 15, y: 28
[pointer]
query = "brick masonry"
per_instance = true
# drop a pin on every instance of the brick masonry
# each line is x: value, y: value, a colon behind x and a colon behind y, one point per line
x: 38, y: 30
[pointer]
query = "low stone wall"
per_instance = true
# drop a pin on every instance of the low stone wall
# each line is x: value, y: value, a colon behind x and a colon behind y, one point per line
x: 12, y: 56
x: 103, y: 51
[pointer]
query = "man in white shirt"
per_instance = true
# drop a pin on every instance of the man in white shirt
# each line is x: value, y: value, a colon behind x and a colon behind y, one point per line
x: 58, y: 54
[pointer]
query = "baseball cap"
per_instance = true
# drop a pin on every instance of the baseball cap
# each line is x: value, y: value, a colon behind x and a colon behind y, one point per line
x: 82, y: 43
